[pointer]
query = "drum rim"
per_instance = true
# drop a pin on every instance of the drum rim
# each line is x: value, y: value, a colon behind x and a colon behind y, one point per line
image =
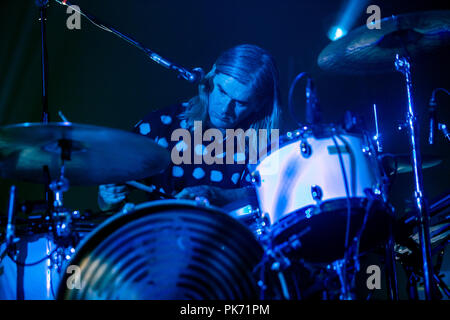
x: 301, y: 215
x: 284, y: 141
x: 120, y: 219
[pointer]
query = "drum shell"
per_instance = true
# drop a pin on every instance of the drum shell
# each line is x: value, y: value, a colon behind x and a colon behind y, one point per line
x: 286, y: 178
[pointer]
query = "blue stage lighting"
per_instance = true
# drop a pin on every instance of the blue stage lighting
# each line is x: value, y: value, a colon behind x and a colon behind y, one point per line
x: 336, y: 33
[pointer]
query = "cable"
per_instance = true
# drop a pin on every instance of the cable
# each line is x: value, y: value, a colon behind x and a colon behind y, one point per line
x: 192, y: 76
x: 358, y: 236
x: 394, y: 176
x: 291, y: 92
x: 75, y: 8
x: 103, y: 27
x: 347, y: 192
x: 433, y: 94
x: 347, y: 189
x: 368, y: 209
x: 32, y: 263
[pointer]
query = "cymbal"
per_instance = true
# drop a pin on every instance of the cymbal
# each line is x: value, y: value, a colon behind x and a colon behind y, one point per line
x: 365, y: 50
x: 403, y: 162
x: 98, y: 155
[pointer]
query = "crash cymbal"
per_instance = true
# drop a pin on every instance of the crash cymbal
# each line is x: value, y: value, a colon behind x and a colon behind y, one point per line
x: 402, y: 162
x: 365, y: 50
x: 98, y: 155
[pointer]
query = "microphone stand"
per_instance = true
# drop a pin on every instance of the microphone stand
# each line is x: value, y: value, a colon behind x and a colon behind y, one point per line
x: 42, y: 5
x: 403, y: 65
x: 193, y: 76
x: 45, y: 117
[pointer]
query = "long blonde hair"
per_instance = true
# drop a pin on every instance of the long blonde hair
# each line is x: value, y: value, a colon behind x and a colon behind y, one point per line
x: 248, y: 64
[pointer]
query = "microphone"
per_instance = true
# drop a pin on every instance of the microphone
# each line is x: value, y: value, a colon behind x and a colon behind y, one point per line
x: 193, y: 76
x: 432, y: 117
x: 197, y: 75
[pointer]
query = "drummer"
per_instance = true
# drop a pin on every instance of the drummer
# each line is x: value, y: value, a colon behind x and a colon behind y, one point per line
x: 241, y: 91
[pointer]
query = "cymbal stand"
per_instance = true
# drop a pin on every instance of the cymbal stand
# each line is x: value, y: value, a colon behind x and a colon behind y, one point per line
x: 403, y: 65
x: 61, y: 218
x: 61, y: 184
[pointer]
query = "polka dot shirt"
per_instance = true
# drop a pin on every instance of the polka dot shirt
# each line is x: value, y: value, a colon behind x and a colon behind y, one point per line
x: 159, y: 126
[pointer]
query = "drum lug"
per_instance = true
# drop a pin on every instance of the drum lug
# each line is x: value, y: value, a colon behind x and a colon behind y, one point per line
x: 265, y: 218
x: 256, y: 178
x: 262, y: 224
x: 305, y: 149
x: 316, y: 193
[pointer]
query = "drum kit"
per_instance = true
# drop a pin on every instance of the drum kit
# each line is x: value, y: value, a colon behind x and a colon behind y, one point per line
x: 322, y: 204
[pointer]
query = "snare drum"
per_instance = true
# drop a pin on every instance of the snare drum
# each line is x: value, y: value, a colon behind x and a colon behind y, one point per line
x: 167, y: 249
x: 306, y: 185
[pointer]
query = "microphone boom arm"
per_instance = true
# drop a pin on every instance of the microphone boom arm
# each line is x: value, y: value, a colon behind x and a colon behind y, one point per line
x: 193, y: 76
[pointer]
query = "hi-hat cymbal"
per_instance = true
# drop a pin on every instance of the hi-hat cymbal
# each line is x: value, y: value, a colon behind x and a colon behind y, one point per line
x: 365, y: 50
x: 98, y: 155
x: 401, y: 163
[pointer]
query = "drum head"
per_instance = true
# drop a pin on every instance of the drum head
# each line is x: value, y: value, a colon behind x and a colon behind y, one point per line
x: 166, y: 250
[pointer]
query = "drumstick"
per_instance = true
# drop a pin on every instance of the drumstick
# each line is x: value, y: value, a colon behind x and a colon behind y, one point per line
x: 141, y: 186
x: 149, y: 189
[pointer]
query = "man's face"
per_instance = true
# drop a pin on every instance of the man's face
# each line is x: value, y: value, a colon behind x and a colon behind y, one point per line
x: 230, y: 102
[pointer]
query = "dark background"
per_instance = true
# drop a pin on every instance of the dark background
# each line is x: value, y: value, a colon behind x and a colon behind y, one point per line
x: 96, y: 78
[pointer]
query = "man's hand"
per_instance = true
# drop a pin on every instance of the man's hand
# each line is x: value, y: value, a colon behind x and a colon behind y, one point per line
x: 215, y: 195
x: 111, y: 196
